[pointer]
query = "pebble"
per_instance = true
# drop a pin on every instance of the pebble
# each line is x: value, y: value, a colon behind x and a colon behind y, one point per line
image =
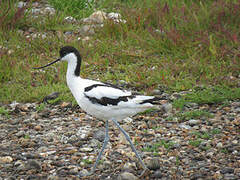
x: 127, y: 176
x: 87, y: 30
x: 33, y: 164
x: 184, y: 126
x: 235, y: 141
x: 193, y: 122
x: 70, y: 19
x: 167, y: 108
x: 86, y: 149
x: 158, y: 174
x: 99, y: 135
x: 96, y: 17
x: 38, y: 128
x: 153, y: 164
x: 219, y: 145
x: 6, y: 159
x: 21, y: 4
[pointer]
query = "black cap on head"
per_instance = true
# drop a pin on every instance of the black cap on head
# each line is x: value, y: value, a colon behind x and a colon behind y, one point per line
x: 68, y: 49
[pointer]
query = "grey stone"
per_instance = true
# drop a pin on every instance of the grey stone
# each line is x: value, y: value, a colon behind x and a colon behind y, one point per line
x: 127, y: 176
x: 193, y: 122
x: 167, y: 108
x: 33, y: 164
x: 99, y: 135
x: 153, y: 164
x: 184, y: 126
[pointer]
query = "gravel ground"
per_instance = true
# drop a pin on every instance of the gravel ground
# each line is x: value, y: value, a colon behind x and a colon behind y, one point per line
x: 61, y: 141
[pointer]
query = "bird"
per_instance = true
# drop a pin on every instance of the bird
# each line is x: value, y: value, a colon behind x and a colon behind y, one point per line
x: 102, y: 100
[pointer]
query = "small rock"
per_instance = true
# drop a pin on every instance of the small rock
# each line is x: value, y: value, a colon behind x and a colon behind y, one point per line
x: 49, y: 10
x: 127, y: 176
x: 35, y: 11
x: 84, y: 132
x: 107, y: 164
x: 66, y: 105
x: 96, y: 17
x: 116, y: 17
x: 230, y: 177
x: 87, y: 29
x: 157, y: 92
x: 86, y: 149
x: 87, y: 38
x: 183, y: 126
x: 70, y: 19
x: 83, y: 173
x: 154, y: 164
x: 129, y: 166
x: 227, y: 170
x: 219, y: 145
x: 128, y: 120
x: 193, y: 122
x: 99, y: 135
x: 21, y: 4
x: 33, y: 164
x: 37, y: 128
x: 20, y: 165
x: 158, y: 174
x: 235, y: 141
x: 167, y: 108
x: 13, y: 104
x: 6, y: 159
x: 20, y: 133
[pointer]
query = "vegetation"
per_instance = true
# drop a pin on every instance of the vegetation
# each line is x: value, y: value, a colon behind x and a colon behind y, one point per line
x: 195, y: 114
x: 177, y: 45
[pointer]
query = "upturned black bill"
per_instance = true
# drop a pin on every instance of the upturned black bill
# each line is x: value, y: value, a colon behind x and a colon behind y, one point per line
x: 47, y: 64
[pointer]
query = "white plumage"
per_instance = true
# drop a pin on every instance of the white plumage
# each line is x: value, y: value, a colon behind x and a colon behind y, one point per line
x: 101, y: 100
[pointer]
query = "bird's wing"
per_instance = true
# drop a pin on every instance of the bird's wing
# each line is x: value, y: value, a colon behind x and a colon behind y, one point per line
x: 106, y: 94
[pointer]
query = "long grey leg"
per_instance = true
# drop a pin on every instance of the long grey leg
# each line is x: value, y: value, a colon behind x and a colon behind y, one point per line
x: 129, y: 140
x: 106, y: 140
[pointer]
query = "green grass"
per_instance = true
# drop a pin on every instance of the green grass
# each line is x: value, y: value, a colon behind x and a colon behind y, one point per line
x: 217, y: 94
x: 187, y: 115
x: 195, y: 143
x: 4, y: 111
x: 74, y: 8
x: 155, y: 147
x: 199, y: 137
x: 40, y: 107
x: 196, y: 114
x: 178, y: 45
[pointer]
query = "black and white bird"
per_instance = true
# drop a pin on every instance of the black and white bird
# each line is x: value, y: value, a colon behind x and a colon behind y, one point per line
x: 101, y: 100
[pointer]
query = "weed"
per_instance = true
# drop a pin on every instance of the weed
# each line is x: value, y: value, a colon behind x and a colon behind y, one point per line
x: 11, y: 16
x: 75, y: 8
x: 185, y: 116
x: 40, y: 107
x: 195, y: 143
x: 196, y: 114
x: 213, y: 95
x: 215, y: 131
x: 26, y: 136
x: 87, y: 161
x: 4, y: 111
x: 154, y: 148
x: 204, y: 135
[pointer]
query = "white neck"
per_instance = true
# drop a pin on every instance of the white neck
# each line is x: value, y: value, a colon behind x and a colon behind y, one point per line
x: 72, y: 64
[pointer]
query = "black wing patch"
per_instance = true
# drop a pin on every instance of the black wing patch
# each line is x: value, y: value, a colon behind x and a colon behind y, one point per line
x: 109, y: 101
x: 89, y: 88
x: 154, y: 101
